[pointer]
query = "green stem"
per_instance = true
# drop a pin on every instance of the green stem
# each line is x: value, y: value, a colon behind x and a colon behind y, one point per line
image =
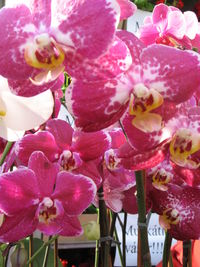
x: 5, y: 152
x: 46, y: 254
x: 41, y: 248
x: 96, y: 263
x: 186, y: 253
x: 104, y: 229
x: 30, y: 249
x: 170, y: 260
x: 166, y: 250
x: 142, y: 220
x: 56, y: 252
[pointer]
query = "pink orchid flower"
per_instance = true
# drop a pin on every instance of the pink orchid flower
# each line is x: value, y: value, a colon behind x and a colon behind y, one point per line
x: 41, y: 197
x: 169, y: 26
x: 144, y: 97
x: 179, y: 210
x: 36, y: 36
x: 60, y: 142
x: 19, y: 114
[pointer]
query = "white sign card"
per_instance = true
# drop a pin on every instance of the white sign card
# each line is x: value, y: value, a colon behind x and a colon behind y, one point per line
x: 156, y: 237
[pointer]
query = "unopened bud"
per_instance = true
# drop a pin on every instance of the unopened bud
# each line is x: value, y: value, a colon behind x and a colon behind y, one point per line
x: 92, y: 230
x: 19, y: 257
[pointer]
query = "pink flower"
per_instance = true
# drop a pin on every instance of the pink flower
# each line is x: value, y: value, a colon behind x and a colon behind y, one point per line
x: 60, y: 142
x: 42, y: 197
x: 169, y: 25
x: 179, y: 210
x: 36, y: 36
x: 144, y: 97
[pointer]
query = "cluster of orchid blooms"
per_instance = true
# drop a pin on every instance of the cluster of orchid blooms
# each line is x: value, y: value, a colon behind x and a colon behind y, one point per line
x: 135, y: 103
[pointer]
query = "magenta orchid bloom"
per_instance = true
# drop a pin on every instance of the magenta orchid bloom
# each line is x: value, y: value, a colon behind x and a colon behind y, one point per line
x: 75, y: 151
x: 36, y: 36
x: 179, y: 210
x: 41, y: 197
x: 144, y: 97
x: 169, y: 26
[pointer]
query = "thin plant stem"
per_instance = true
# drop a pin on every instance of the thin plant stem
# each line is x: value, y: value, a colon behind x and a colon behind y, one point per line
x: 56, y: 252
x: 186, y: 253
x: 166, y: 250
x: 96, y: 263
x: 124, y: 238
x: 104, y: 230
x: 30, y: 245
x: 113, y: 216
x: 119, y: 248
x: 46, y: 254
x: 41, y: 248
x: 145, y: 253
x: 5, y: 152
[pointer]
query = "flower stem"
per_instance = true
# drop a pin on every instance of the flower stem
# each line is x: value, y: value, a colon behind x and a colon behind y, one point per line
x: 187, y: 253
x: 30, y: 249
x: 119, y: 248
x: 104, y: 230
x: 96, y: 263
x: 46, y: 254
x: 5, y: 152
x: 41, y: 248
x: 56, y: 252
x: 142, y: 223
x: 166, y: 250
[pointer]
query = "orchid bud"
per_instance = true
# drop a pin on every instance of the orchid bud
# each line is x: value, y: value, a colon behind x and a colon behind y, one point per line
x: 92, y: 230
x: 19, y: 257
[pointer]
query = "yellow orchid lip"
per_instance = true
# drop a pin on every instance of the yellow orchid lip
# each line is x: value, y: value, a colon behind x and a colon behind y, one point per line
x: 2, y: 113
x: 160, y: 179
x: 169, y: 217
x: 185, y: 143
x: 142, y: 102
x: 44, y: 53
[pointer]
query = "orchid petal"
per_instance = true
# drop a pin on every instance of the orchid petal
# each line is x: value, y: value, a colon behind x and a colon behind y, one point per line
x: 27, y: 113
x: 76, y: 192
x: 18, y: 226
x: 62, y: 132
x: 27, y: 88
x: 160, y: 16
x: 71, y: 19
x: 176, y: 24
x: 13, y: 35
x: 18, y: 191
x: 172, y: 72
x: 127, y: 9
x: 45, y: 172
x: 42, y: 141
x: 112, y: 96
x: 90, y: 145
x: 191, y: 24
x: 112, y: 63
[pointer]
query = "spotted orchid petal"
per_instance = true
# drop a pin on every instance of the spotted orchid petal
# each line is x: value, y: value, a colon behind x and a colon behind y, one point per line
x: 112, y: 96
x: 86, y: 69
x: 13, y: 37
x: 75, y: 191
x: 27, y: 88
x: 70, y: 20
x: 179, y: 210
x: 165, y: 70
